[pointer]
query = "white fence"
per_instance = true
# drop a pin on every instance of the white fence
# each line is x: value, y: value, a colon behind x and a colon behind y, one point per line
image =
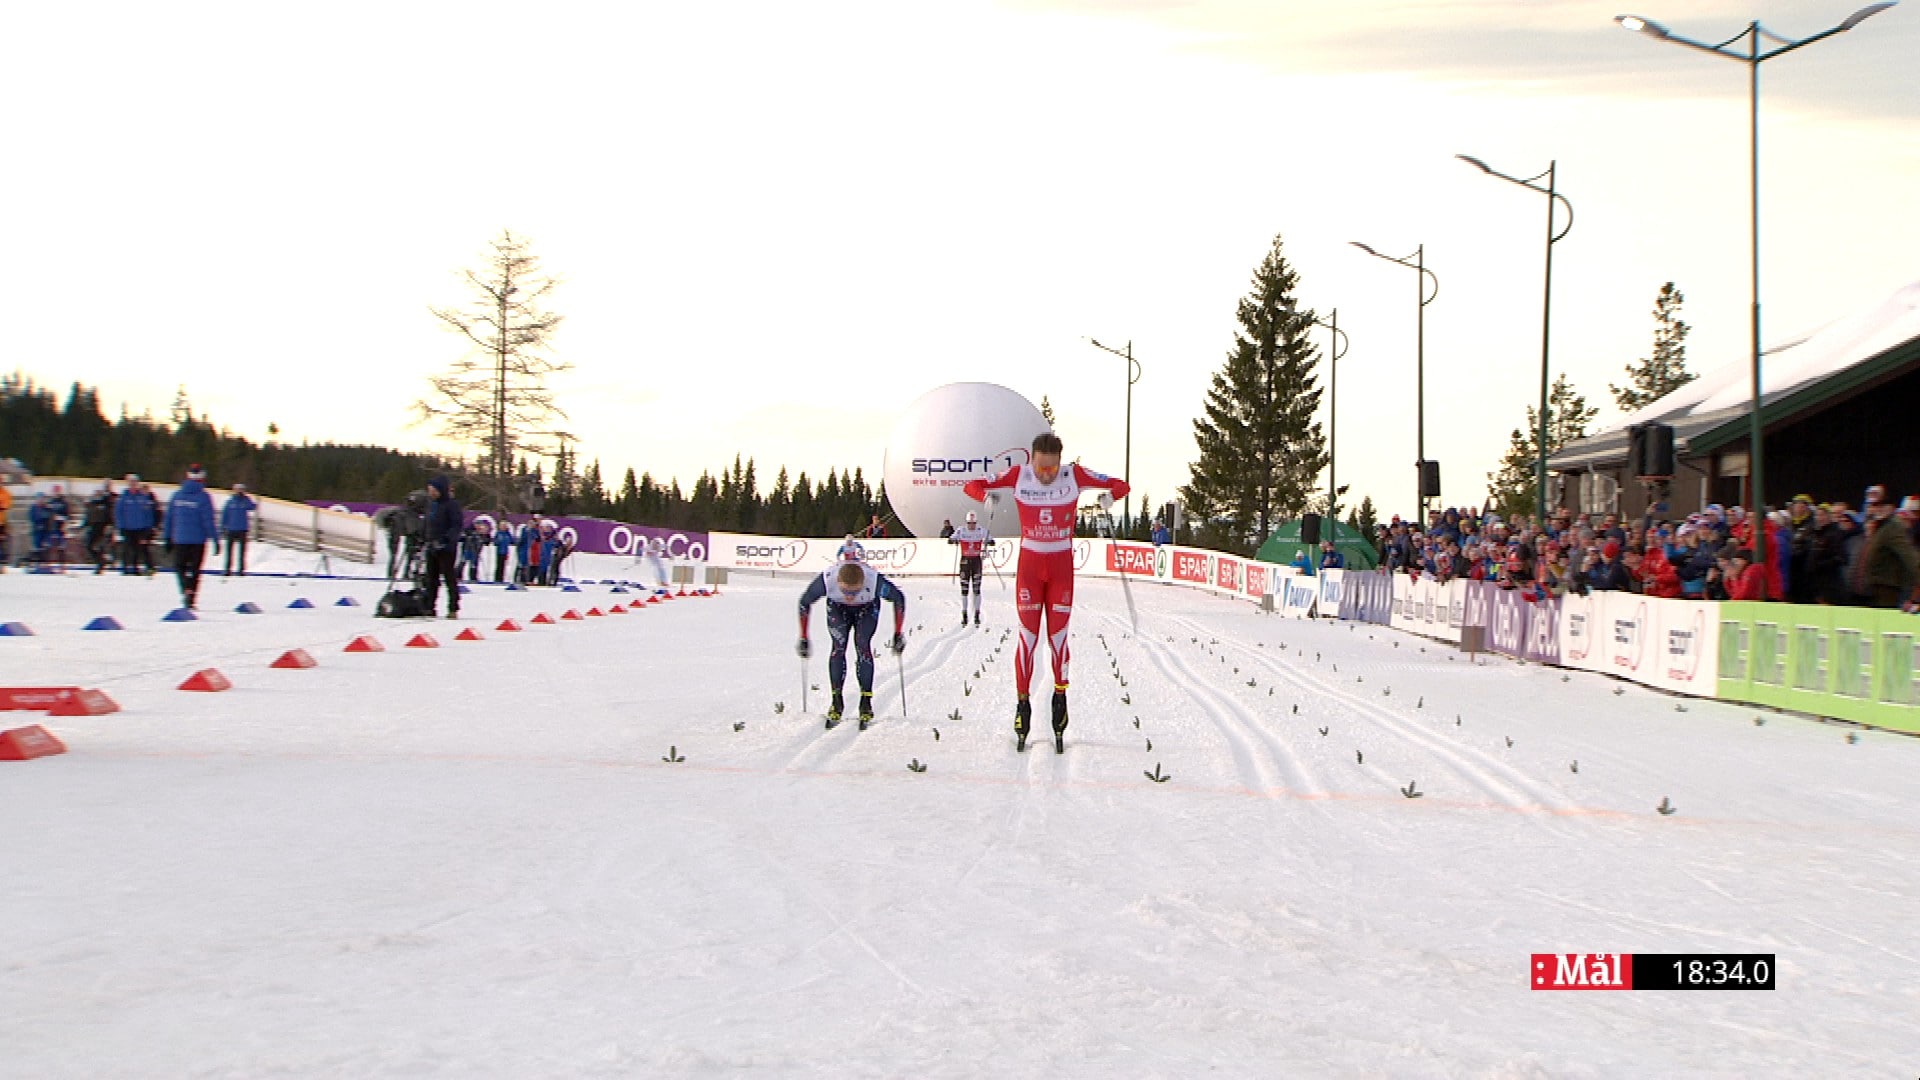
x: 333, y: 533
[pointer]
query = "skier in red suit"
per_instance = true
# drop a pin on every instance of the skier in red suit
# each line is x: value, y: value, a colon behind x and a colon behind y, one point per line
x: 1048, y: 498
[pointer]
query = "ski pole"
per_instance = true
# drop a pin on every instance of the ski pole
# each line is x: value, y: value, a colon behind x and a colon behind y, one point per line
x: 902, y: 665
x: 803, y: 684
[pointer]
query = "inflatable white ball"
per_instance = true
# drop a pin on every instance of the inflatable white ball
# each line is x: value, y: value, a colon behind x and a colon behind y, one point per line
x: 948, y: 436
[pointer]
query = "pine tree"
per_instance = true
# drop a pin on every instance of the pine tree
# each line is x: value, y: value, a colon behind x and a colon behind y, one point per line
x: 1665, y: 371
x: 497, y: 394
x: 1513, y: 489
x: 1260, y: 447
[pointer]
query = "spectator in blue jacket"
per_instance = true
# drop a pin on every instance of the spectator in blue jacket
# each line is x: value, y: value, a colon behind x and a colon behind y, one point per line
x: 549, y: 555
x: 135, y: 515
x: 1330, y: 557
x: 236, y: 520
x: 189, y: 528
x: 502, y: 543
x: 1162, y: 536
x: 523, y: 547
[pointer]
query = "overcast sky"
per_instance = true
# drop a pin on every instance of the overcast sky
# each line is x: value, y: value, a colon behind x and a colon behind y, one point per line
x: 777, y: 223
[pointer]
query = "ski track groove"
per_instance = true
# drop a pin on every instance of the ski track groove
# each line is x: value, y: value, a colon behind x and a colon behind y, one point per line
x: 1267, y: 769
x: 1500, y: 780
x: 811, y: 749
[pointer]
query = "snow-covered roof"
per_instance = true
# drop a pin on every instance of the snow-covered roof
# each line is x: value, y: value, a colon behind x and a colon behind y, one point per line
x: 1793, y: 364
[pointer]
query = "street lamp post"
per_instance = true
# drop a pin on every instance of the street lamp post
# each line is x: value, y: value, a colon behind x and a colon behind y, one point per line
x: 1752, y: 57
x: 1546, y: 307
x: 1417, y: 261
x: 1338, y: 350
x: 1133, y: 376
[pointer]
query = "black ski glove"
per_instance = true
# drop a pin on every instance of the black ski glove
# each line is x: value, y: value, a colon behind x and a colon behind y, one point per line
x: 898, y: 644
x: 804, y: 648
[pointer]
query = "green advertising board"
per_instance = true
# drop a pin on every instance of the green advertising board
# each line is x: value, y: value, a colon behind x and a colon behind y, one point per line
x: 1851, y: 663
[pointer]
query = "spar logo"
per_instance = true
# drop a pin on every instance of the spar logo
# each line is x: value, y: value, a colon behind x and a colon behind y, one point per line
x: 1191, y: 566
x: 1162, y: 563
x: 949, y: 471
x: 1582, y: 971
x: 1129, y: 559
x: 771, y: 556
x: 1257, y: 580
x: 1228, y: 576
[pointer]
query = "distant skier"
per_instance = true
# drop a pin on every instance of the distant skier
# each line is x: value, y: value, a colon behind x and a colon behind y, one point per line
x: 853, y: 591
x: 973, y: 541
x: 1048, y: 498
x: 656, y: 560
x: 851, y: 551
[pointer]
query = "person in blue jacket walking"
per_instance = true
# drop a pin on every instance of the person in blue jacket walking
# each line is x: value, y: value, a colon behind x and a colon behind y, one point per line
x: 236, y: 520
x: 190, y: 527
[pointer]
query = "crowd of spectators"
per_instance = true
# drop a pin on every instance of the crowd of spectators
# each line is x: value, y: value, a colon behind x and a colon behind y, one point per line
x: 117, y: 528
x: 1817, y: 553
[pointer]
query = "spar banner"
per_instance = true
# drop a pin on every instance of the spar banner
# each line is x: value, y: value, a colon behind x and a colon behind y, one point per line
x: 1226, y: 573
x: 1133, y: 560
x: 1261, y: 580
x: 593, y: 536
x: 1189, y: 567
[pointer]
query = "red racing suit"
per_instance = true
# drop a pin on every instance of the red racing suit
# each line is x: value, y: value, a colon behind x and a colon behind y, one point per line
x: 1044, y: 581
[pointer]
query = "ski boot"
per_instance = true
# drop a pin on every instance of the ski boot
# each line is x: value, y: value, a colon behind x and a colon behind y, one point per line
x: 1022, y: 723
x: 963, y: 620
x: 866, y: 709
x: 834, y: 710
x: 1059, y: 721
x: 976, y: 618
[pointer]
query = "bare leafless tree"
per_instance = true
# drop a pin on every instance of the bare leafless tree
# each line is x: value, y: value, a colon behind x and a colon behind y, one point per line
x: 496, y: 396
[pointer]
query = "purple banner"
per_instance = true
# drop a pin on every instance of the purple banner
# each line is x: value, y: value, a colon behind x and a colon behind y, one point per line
x: 1366, y: 596
x: 1543, y: 631
x: 1507, y: 623
x: 592, y: 536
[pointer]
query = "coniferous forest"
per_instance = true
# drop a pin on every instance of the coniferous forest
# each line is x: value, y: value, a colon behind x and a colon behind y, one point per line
x: 72, y: 436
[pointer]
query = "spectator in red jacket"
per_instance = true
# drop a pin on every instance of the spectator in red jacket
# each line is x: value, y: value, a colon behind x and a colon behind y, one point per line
x: 1748, y: 582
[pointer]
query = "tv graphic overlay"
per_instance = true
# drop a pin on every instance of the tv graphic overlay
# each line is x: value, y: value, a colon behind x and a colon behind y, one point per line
x: 1651, y: 971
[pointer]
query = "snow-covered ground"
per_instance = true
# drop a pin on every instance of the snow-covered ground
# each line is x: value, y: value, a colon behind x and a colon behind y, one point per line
x: 474, y: 861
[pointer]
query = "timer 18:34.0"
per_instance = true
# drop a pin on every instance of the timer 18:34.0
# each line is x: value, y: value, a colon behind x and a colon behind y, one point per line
x: 1703, y: 971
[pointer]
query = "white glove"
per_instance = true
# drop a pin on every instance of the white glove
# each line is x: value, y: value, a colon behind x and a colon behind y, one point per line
x: 1106, y: 500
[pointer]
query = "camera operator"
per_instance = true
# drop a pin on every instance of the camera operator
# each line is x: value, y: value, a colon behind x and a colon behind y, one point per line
x: 445, y: 524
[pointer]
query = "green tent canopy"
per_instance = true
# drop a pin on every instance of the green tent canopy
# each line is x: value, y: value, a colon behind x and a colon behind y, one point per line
x: 1285, y: 544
